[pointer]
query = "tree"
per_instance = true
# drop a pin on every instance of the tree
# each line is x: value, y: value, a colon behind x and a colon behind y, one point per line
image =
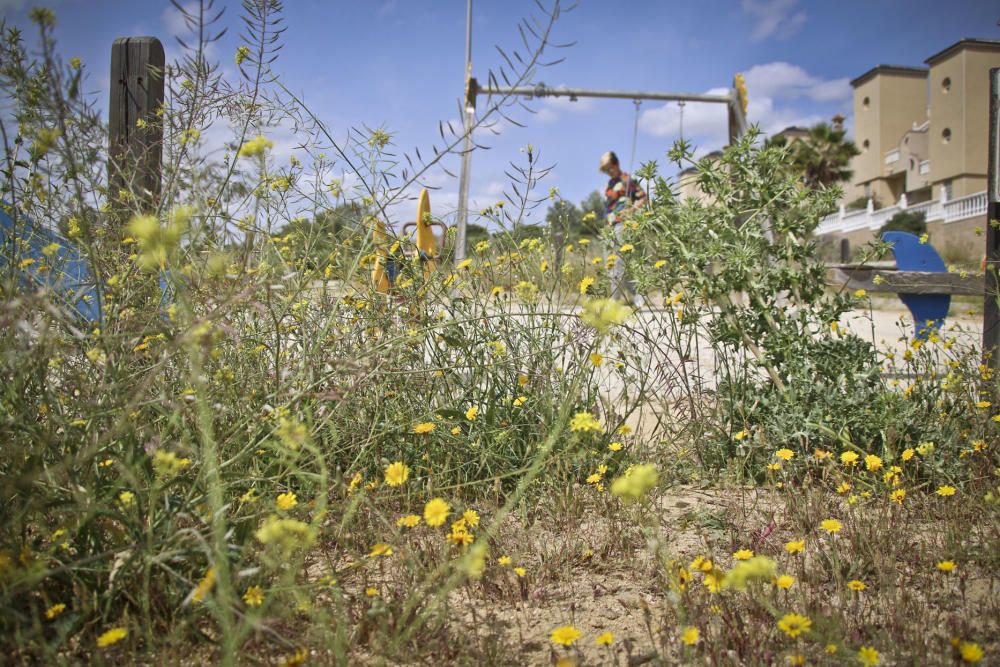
x: 574, y: 221
x: 316, y: 239
x: 475, y: 233
x: 594, y: 203
x: 822, y: 157
x: 563, y: 216
x: 914, y: 222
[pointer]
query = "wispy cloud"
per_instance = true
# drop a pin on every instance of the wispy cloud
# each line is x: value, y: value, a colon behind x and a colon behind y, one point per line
x: 773, y: 17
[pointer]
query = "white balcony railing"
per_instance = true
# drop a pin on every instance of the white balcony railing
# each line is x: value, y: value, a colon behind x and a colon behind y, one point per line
x: 892, y: 156
x: 970, y: 206
x: 965, y: 207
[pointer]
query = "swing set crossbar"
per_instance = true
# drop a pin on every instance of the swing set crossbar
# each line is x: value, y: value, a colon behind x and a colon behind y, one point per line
x: 541, y: 90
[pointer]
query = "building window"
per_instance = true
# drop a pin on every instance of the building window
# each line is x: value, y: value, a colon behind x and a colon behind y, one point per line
x: 946, y: 135
x: 865, y: 103
x: 946, y: 85
x: 946, y: 190
x: 868, y: 190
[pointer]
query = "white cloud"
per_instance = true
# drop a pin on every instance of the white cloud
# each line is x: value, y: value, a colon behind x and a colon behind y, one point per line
x: 545, y: 115
x: 773, y: 17
x: 174, y: 21
x: 704, y: 122
x: 771, y: 88
x: 781, y: 80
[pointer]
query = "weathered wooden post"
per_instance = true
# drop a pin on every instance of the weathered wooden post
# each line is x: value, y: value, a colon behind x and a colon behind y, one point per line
x: 991, y: 310
x: 135, y: 142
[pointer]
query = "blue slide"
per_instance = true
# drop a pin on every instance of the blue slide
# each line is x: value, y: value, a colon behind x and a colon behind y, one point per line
x: 929, y: 310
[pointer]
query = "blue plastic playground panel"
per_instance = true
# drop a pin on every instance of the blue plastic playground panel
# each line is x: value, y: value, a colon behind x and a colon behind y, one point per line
x: 928, y: 310
x: 44, y: 259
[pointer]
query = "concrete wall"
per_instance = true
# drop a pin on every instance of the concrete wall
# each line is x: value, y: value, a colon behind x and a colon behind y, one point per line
x: 956, y: 242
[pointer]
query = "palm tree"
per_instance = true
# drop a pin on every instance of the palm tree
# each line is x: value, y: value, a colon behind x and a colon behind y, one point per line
x: 820, y: 158
x: 823, y: 156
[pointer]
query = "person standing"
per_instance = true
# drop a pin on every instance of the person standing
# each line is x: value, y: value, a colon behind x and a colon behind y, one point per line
x: 622, y: 198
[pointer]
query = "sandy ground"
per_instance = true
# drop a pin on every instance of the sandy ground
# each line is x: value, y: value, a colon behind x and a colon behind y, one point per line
x: 606, y: 592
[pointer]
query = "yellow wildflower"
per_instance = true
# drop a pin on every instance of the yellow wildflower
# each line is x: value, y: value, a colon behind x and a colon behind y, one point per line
x: 795, y: 546
x: 565, y: 635
x: 585, y: 421
x: 424, y: 427
x: 112, y: 636
x: 287, y: 501
x: 602, y: 314
x: 970, y: 652
x: 380, y: 550
x: 636, y: 481
x: 397, y: 473
x: 255, y: 147
x: 254, y: 596
x: 867, y: 654
x: 831, y: 525
x: 436, y: 512
x: 794, y: 625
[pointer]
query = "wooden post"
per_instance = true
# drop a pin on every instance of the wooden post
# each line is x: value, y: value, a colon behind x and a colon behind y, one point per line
x: 135, y: 148
x: 991, y: 310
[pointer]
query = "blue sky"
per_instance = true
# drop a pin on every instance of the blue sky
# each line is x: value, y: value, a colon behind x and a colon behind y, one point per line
x: 399, y: 64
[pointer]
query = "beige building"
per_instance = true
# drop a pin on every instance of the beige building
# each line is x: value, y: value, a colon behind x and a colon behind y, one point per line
x: 923, y: 134
x: 890, y: 101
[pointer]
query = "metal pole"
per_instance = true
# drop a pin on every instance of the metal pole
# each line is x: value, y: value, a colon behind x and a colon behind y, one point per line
x: 541, y: 90
x: 469, y: 118
x: 991, y: 309
x: 681, y: 105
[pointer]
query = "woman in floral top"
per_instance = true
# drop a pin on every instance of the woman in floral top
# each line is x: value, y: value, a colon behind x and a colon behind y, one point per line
x: 622, y: 193
x: 621, y: 198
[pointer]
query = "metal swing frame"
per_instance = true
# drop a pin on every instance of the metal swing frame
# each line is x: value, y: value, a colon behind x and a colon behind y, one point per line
x: 735, y: 101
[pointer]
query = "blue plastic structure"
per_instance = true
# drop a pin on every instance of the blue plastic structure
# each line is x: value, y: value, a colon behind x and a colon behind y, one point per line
x: 62, y: 269
x: 928, y: 310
